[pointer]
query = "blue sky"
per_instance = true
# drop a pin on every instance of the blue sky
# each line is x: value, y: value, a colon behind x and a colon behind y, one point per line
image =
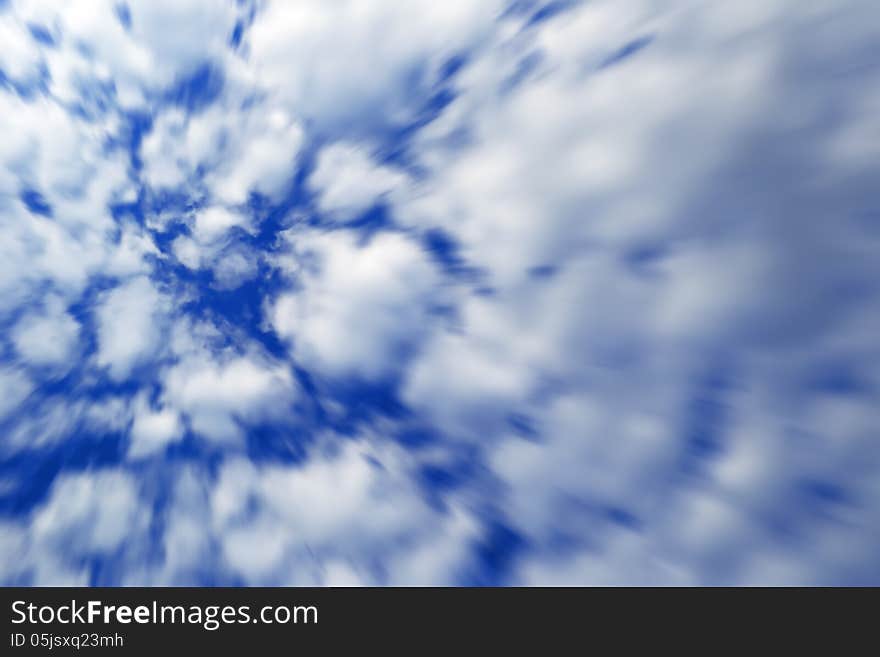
x: 457, y: 293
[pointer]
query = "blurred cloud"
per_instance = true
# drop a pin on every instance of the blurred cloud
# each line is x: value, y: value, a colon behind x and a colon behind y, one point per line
x: 439, y: 293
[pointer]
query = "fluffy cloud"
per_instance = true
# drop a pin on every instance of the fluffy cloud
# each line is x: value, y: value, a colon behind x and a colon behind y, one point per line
x: 20, y: 60
x: 347, y: 181
x: 89, y: 512
x: 15, y: 388
x: 241, y: 150
x: 217, y: 394
x: 358, y: 308
x: 357, y: 60
x: 129, y: 326
x: 48, y: 337
x: 59, y: 177
x: 87, y: 515
x: 139, y: 50
x: 615, y: 322
x: 349, y: 509
x: 153, y: 429
x: 211, y: 223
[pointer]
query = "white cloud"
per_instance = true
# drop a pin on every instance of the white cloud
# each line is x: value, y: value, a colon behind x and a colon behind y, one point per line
x: 13, y: 545
x: 20, y: 57
x: 674, y: 232
x: 187, y: 541
x: 234, y: 267
x: 49, y: 421
x: 213, y: 222
x: 216, y: 395
x: 64, y: 159
x: 89, y: 513
x: 187, y: 251
x: 593, y: 450
x: 129, y: 326
x: 111, y: 414
x: 211, y: 247
x: 244, y: 150
x: 14, y: 389
x: 264, y: 163
x: 165, y: 40
x: 540, y: 177
x: 166, y: 151
x: 357, y: 306
x: 679, y: 239
x: 354, y: 59
x: 463, y: 386
x: 348, y: 182
x: 181, y: 35
x: 47, y: 337
x: 152, y: 430
x: 344, y: 509
x: 86, y: 516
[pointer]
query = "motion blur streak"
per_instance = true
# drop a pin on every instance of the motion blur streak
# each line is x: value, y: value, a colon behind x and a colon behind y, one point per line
x: 463, y: 293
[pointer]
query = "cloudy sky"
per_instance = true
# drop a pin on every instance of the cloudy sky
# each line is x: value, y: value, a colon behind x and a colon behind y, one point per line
x: 470, y: 292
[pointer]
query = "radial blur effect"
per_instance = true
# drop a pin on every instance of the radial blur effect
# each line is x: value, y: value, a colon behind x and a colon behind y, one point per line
x: 470, y: 292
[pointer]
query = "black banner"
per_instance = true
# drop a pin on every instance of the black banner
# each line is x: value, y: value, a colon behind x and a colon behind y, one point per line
x: 285, y: 620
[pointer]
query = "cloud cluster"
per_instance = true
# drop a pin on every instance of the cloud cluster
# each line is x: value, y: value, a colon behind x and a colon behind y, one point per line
x: 439, y: 293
